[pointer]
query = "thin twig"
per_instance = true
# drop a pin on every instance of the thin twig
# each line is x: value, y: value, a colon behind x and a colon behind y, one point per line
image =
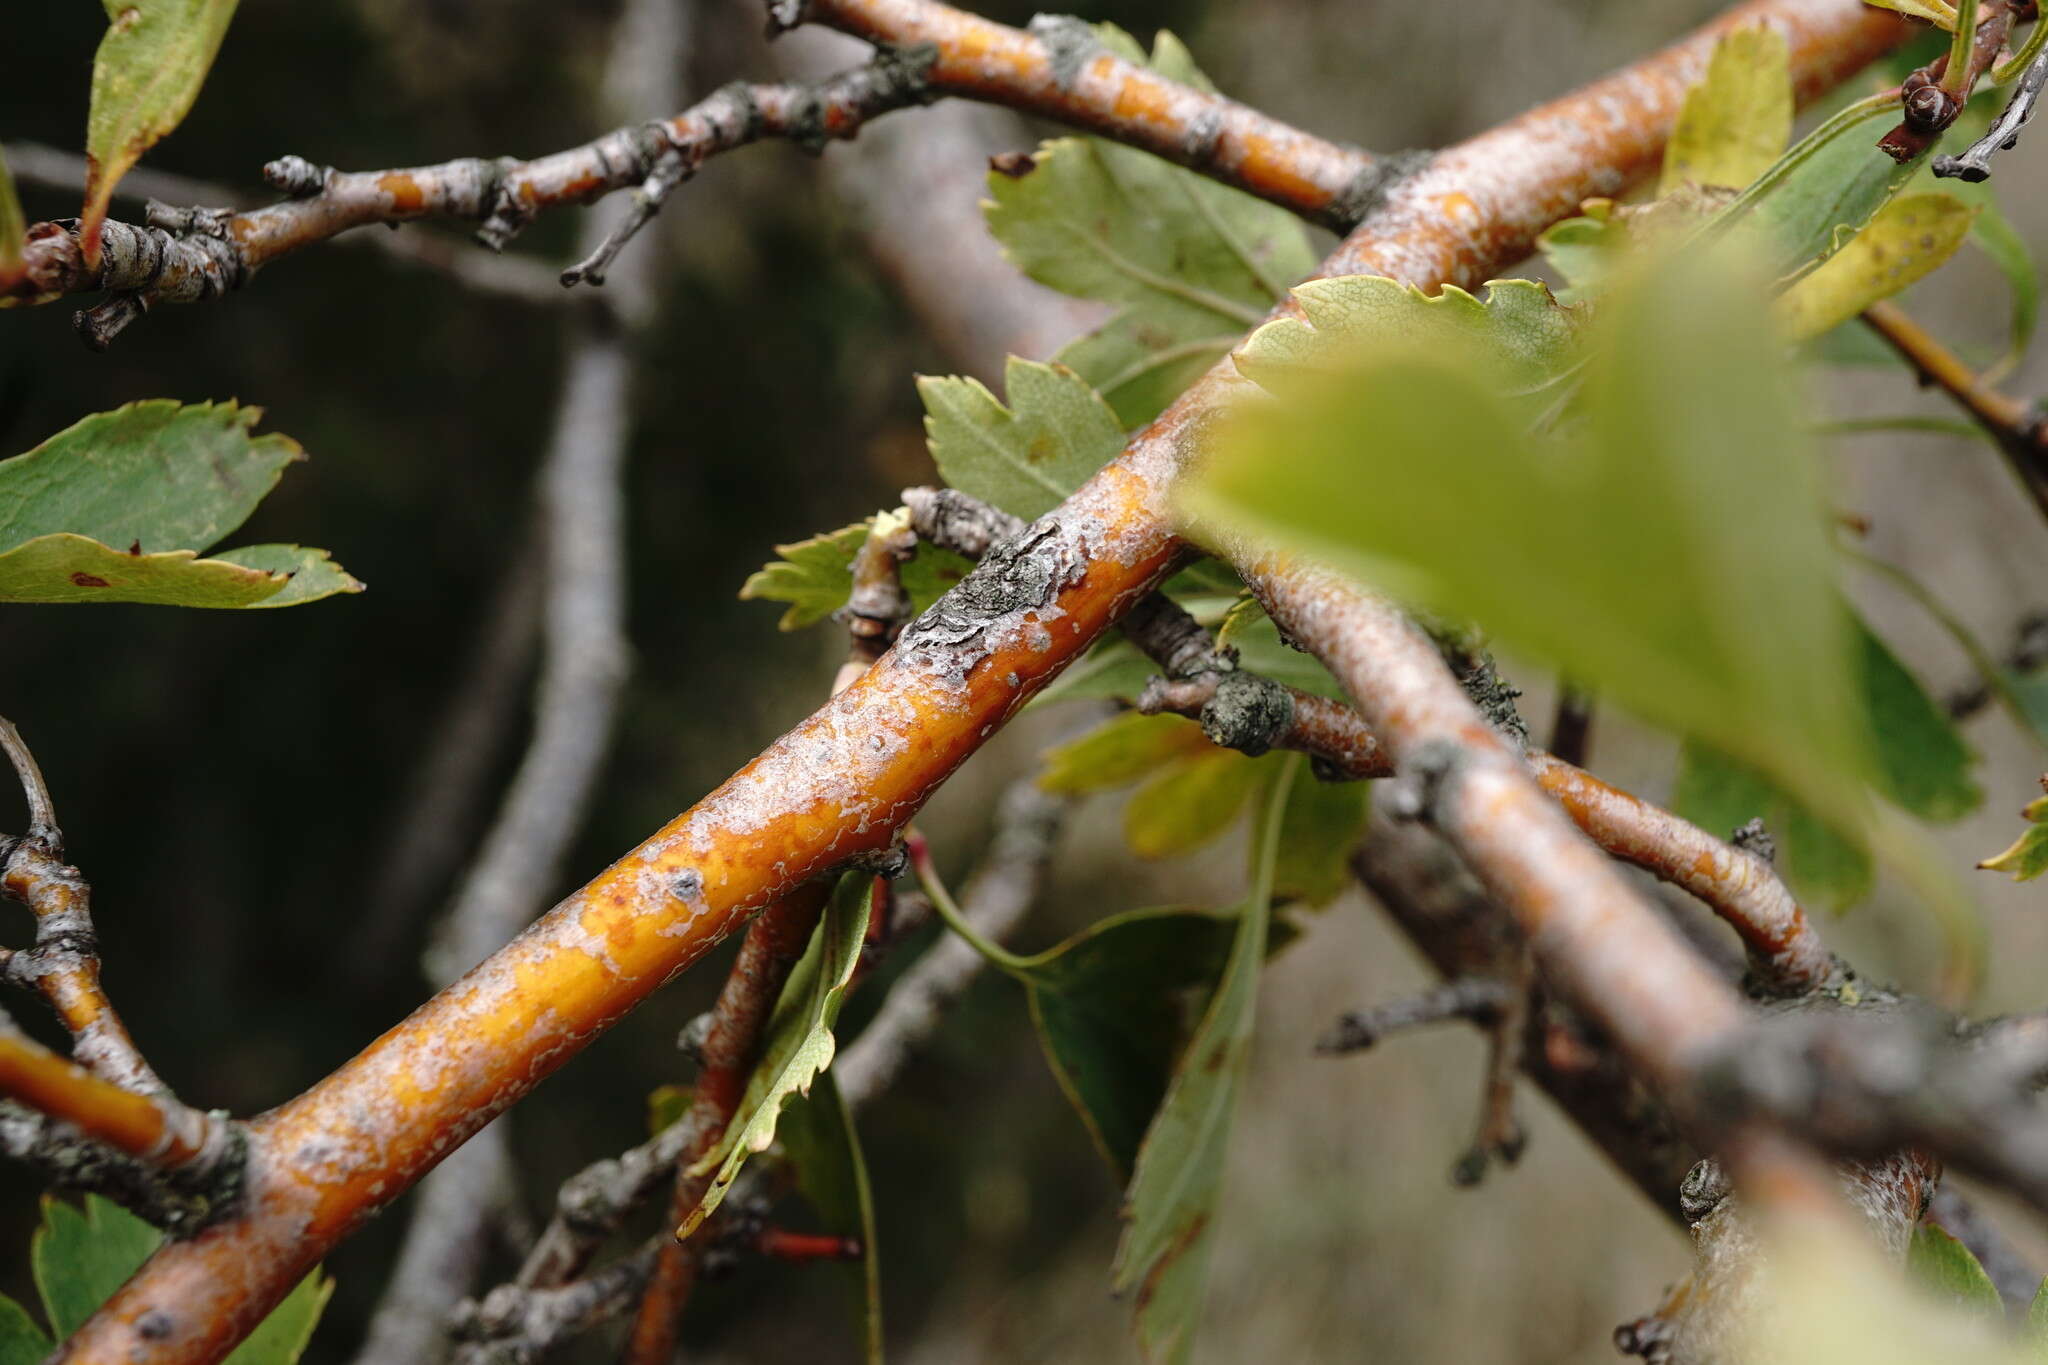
x: 483, y: 272
x: 2019, y: 433
x: 2004, y: 133
x: 151, y: 1127
x: 1474, y: 999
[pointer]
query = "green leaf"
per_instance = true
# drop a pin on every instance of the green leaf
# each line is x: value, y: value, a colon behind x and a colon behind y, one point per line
x: 13, y: 231
x: 1923, y: 763
x: 167, y: 481
x: 281, y: 1338
x: 1994, y: 235
x: 799, y: 1039
x: 815, y: 576
x: 666, y: 1104
x: 159, y: 474
x: 1832, y: 182
x: 80, y: 1257
x: 1669, y: 546
x: 1736, y: 121
x: 21, y: 1341
x: 2036, y: 1329
x: 1944, y: 1265
x: 1118, y: 752
x: 313, y: 573
x: 1190, y: 803
x: 1249, y: 631
x: 1190, y: 263
x: 1113, y: 668
x: 145, y: 76
x: 1518, y: 331
x: 66, y: 568
x: 1112, y: 1006
x: 1172, y: 1203
x: 2028, y: 856
x: 1323, y: 823
x: 1910, y: 237
x: 1027, y: 457
x: 1719, y: 794
x: 818, y: 1133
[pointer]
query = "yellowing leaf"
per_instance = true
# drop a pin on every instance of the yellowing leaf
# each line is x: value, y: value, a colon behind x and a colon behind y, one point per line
x: 2028, y: 856
x: 1027, y: 457
x: 68, y: 568
x: 1189, y: 804
x: 145, y: 76
x: 1909, y: 238
x: 818, y: 1133
x: 1737, y: 120
x: 799, y: 1039
x: 1939, y: 13
x: 1120, y: 751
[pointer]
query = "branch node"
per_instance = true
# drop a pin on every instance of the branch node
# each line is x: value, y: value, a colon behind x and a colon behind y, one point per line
x: 670, y: 169
x: 98, y: 325
x: 296, y: 177
x: 1247, y: 712
x: 1752, y: 836
x: 1369, y: 189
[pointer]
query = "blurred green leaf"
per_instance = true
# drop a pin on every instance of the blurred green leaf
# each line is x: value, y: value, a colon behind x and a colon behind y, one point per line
x: 1323, y: 824
x: 1113, y: 668
x: 21, y: 1341
x: 1937, y: 12
x: 1736, y: 121
x: 1118, y: 752
x: 815, y: 576
x: 80, y: 1257
x: 1994, y: 235
x: 2036, y: 1330
x: 666, y: 1104
x: 1670, y: 548
x: 798, y: 1043
x: 145, y: 76
x: 1190, y: 263
x: 159, y: 474
x: 818, y: 1134
x: 1923, y: 764
x: 1719, y: 794
x: 1190, y: 803
x: 1172, y: 1202
x: 1909, y: 238
x: 1522, y: 334
x: 1027, y: 457
x: 2028, y: 856
x: 1251, y: 632
x: 1944, y: 1265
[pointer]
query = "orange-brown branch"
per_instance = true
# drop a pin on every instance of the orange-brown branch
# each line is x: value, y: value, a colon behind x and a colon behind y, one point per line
x: 2021, y: 435
x: 154, y: 1128
x: 842, y: 782
x: 1057, y: 70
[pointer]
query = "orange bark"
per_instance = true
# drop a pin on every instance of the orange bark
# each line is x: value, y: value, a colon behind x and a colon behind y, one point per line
x: 146, y: 1126
x: 842, y: 782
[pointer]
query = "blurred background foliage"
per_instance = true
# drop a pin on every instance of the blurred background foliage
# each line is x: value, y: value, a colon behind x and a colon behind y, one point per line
x: 229, y: 781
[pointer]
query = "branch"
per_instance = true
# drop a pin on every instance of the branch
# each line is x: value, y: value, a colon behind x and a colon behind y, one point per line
x: 2004, y: 133
x: 1244, y: 711
x: 845, y: 780
x: 484, y: 272
x: 1058, y: 70
x: 2020, y: 434
x: 580, y: 507
x: 152, y: 1128
x: 184, y: 257
x: 63, y: 966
